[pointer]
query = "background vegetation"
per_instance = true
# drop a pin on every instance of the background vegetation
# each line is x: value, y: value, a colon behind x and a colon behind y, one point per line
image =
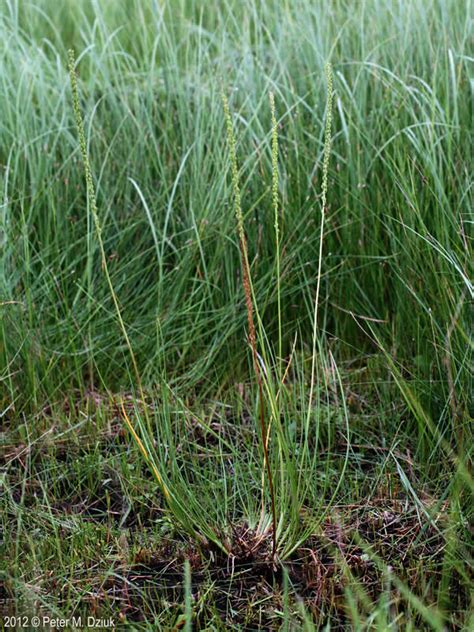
x: 385, y: 439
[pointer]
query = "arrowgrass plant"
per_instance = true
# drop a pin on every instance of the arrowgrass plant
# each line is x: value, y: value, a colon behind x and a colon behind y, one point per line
x: 275, y: 201
x: 179, y: 503
x: 92, y: 203
x: 286, y: 464
x: 247, y: 285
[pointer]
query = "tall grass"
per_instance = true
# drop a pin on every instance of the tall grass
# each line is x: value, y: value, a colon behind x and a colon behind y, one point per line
x: 400, y: 200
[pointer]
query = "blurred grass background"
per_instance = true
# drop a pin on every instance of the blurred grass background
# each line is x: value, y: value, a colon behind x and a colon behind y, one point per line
x: 397, y: 248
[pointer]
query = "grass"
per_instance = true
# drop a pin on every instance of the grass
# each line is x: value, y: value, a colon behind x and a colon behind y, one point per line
x: 135, y: 476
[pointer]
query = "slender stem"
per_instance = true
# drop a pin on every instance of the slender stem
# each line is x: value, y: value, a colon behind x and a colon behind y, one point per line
x: 92, y: 201
x: 324, y: 189
x: 247, y: 284
x: 276, y: 224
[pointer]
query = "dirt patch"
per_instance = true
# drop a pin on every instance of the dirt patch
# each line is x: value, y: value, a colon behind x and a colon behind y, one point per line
x: 355, y: 547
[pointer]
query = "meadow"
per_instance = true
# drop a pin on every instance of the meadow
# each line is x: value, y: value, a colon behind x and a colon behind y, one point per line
x: 236, y: 313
